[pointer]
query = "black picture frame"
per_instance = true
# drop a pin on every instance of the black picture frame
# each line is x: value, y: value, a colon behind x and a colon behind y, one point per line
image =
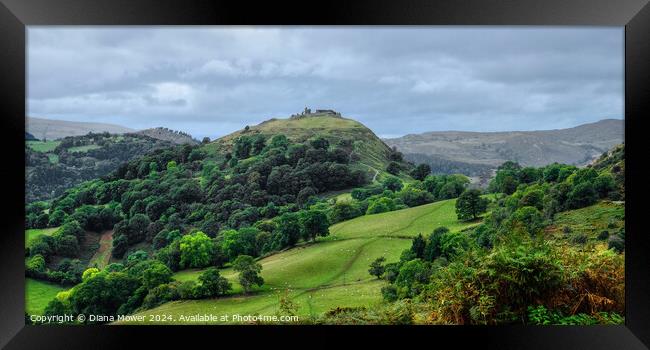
x: 15, y: 15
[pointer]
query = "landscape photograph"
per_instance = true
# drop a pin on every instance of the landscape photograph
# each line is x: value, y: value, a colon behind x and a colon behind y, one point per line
x: 333, y: 175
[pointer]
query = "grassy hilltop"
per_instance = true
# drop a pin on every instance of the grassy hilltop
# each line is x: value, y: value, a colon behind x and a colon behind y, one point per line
x: 369, y: 152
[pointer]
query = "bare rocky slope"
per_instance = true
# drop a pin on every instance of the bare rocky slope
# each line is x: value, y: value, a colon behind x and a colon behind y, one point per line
x: 476, y: 152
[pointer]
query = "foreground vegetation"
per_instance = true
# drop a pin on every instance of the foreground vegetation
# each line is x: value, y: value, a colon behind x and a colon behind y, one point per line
x: 514, y: 267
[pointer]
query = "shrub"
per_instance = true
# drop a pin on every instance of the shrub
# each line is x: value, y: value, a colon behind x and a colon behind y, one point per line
x: 470, y: 205
x: 522, y: 273
x: 603, y: 235
x: 412, y: 277
x: 582, y: 195
x: 579, y: 238
x: 196, y: 250
x: 484, y: 236
x: 391, y: 271
x: 453, y: 243
x: 89, y: 273
x: 381, y: 205
x: 389, y: 293
x: 413, y: 197
x: 392, y: 184
x: 393, y: 168
x: 344, y: 210
x: 540, y: 315
x: 159, y: 295
x: 528, y: 219
x: 377, y: 267
x: 617, y: 243
x: 212, y: 284
x: 35, y: 265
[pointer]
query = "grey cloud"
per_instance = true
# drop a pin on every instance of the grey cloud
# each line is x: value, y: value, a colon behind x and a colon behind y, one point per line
x: 210, y: 81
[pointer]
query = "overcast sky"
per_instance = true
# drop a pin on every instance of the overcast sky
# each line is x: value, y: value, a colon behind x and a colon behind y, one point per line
x: 210, y: 81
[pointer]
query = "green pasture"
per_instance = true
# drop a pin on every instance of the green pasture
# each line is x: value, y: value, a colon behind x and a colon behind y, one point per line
x: 333, y: 272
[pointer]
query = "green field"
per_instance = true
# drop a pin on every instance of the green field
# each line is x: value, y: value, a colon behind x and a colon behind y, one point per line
x: 332, y: 272
x: 38, y: 294
x: 83, y: 149
x: 40, y: 146
x: 31, y: 234
x: 54, y: 158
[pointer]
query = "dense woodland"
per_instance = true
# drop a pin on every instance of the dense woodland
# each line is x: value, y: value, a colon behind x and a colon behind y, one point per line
x: 188, y: 207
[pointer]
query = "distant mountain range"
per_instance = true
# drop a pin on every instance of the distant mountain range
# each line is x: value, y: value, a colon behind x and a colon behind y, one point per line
x: 470, y: 153
x: 54, y: 166
x: 51, y: 129
x: 474, y: 153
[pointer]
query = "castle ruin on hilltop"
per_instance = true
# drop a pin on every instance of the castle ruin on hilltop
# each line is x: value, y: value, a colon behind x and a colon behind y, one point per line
x: 307, y: 112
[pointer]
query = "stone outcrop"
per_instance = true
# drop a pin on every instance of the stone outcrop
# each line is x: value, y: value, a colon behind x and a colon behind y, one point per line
x: 307, y: 112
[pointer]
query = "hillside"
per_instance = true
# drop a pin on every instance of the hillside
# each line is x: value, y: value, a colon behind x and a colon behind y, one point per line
x: 290, y: 214
x: 474, y: 153
x: 254, y: 194
x: 368, y: 150
x: 54, y: 166
x: 331, y: 276
x: 165, y: 134
x: 330, y: 273
x: 52, y: 129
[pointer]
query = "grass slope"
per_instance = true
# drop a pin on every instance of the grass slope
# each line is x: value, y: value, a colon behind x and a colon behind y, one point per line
x: 330, y: 273
x: 31, y: 234
x: 83, y: 149
x: 591, y: 220
x: 38, y: 294
x: 43, y: 146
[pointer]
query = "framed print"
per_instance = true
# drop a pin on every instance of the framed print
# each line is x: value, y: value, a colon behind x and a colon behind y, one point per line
x: 467, y: 172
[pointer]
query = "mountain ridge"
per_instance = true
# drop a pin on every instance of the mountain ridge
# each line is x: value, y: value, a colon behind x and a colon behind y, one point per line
x: 577, y: 145
x: 56, y: 129
x: 52, y: 129
x: 605, y: 120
